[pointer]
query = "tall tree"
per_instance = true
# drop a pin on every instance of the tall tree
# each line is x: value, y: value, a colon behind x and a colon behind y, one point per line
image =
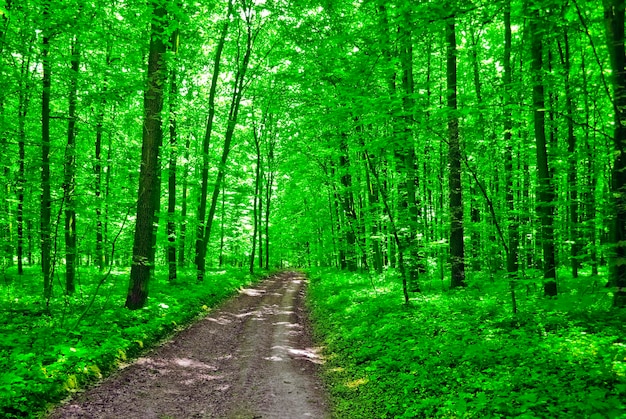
x: 69, y: 184
x: 202, y: 199
x: 239, y: 84
x: 545, y: 193
x: 46, y: 200
x: 457, y: 248
x: 171, y: 190
x: 614, y: 23
x: 148, y: 178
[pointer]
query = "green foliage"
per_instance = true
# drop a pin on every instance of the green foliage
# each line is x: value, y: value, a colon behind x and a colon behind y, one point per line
x: 44, y: 356
x: 461, y: 354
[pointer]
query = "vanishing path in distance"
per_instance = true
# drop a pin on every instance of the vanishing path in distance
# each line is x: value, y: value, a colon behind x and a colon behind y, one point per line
x: 251, y: 358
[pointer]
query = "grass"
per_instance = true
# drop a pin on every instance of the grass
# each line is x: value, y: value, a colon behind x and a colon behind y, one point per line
x: 48, y: 353
x: 462, y: 354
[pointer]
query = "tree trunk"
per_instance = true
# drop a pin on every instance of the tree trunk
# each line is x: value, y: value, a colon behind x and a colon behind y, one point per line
x: 257, y: 183
x: 148, y: 185
x: 183, y: 209
x: 46, y: 244
x: 545, y: 194
x: 572, y: 179
x: 201, y: 215
x: 614, y: 16
x: 347, y: 202
x: 268, y: 201
x: 513, y: 233
x: 171, y: 190
x: 69, y: 183
x: 230, y: 129
x: 24, y: 99
x: 457, y: 251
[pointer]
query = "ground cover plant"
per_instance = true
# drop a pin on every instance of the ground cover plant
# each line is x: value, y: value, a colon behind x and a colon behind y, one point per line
x: 462, y: 354
x: 49, y: 352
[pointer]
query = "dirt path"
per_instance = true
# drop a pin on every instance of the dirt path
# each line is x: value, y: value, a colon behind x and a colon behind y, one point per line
x: 252, y: 358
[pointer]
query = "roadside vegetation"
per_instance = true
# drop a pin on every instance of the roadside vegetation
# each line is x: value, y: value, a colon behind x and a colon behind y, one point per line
x: 48, y: 352
x: 463, y: 354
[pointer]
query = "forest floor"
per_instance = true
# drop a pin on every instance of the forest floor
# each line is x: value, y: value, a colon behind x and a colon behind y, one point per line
x: 251, y: 358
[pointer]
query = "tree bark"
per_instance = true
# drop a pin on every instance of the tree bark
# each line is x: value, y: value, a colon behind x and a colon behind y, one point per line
x: 148, y: 184
x: 171, y: 181
x: 69, y: 183
x: 545, y: 194
x: 513, y: 233
x: 45, y: 212
x: 614, y: 19
x: 457, y: 250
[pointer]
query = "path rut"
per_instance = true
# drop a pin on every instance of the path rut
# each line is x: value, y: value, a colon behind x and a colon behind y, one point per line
x: 251, y: 358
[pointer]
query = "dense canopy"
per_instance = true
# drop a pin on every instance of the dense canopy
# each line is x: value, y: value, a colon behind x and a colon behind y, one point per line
x: 464, y: 142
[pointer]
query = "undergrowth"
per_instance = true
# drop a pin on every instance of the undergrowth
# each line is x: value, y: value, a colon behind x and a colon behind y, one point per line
x: 47, y: 353
x: 462, y: 354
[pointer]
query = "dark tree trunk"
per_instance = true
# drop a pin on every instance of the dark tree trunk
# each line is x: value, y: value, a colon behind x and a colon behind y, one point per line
x: 69, y: 183
x: 614, y: 16
x: 21, y: 178
x: 457, y: 250
x: 171, y: 182
x: 545, y: 194
x: 513, y: 233
x: 46, y: 244
x: 572, y: 179
x: 347, y: 202
x: 148, y: 184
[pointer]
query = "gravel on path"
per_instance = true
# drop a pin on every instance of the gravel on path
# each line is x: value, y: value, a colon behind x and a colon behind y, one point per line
x: 251, y: 358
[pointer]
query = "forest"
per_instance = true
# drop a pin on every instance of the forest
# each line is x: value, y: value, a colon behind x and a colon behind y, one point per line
x: 451, y: 176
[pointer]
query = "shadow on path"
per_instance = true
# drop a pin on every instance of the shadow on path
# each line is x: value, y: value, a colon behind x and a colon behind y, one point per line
x: 251, y: 358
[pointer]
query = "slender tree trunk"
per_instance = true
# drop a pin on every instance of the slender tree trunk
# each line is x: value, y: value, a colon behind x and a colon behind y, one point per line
x: 347, y: 202
x: 614, y: 16
x: 201, y: 215
x: 69, y: 183
x: 259, y: 227
x: 46, y: 202
x: 171, y: 190
x: 545, y: 194
x: 415, y: 265
x: 457, y: 252
x: 513, y: 233
x: 24, y: 99
x: 230, y: 129
x: 183, y: 209
x: 223, y: 224
x: 372, y: 195
x: 268, y: 201
x: 474, y: 206
x: 148, y: 176
x: 572, y: 180
x: 592, y: 177
x: 100, y: 258
x: 257, y: 183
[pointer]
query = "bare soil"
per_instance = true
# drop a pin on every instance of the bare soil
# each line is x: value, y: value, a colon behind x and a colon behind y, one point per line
x: 251, y: 358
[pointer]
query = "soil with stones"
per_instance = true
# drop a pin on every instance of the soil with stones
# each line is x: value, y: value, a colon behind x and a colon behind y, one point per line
x: 251, y: 358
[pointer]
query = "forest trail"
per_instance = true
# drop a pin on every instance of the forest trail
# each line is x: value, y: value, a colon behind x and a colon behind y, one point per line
x: 251, y: 358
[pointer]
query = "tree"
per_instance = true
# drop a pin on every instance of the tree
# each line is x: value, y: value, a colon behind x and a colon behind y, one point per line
x: 545, y: 194
x: 69, y: 184
x: 614, y: 16
x: 46, y: 199
x: 148, y: 179
x: 457, y: 249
